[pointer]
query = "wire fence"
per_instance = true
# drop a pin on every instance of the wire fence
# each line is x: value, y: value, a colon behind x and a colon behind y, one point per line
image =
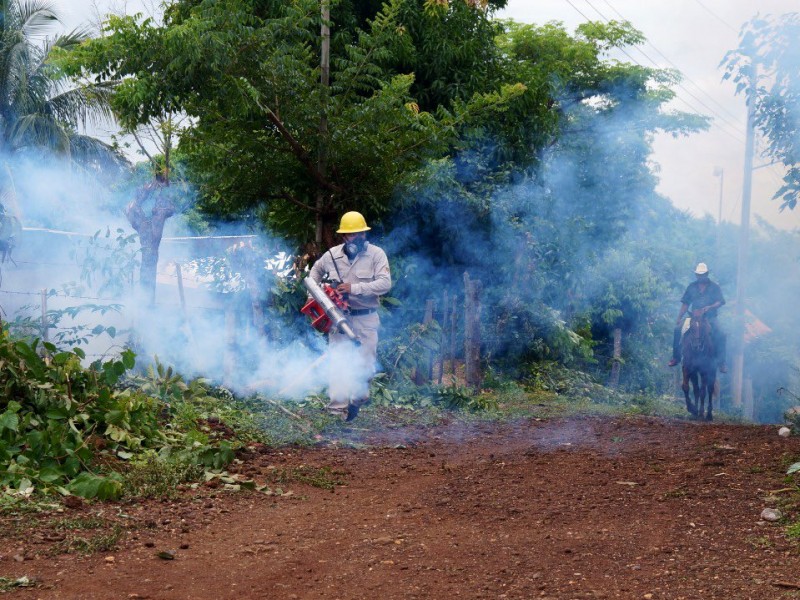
x: 176, y: 273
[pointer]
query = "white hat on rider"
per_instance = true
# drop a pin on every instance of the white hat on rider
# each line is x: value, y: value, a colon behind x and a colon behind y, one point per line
x: 701, y: 269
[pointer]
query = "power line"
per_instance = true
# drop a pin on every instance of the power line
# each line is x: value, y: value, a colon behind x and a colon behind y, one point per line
x: 716, y: 16
x: 722, y: 118
x: 692, y: 108
x: 662, y: 55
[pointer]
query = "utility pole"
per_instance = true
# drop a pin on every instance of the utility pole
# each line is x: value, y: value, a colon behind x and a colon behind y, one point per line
x: 744, y: 244
x: 719, y: 172
x: 324, y: 79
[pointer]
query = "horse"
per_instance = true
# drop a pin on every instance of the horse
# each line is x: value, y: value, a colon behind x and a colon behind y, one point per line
x: 699, y: 365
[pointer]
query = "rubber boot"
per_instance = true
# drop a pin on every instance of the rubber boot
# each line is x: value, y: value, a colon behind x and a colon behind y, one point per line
x: 352, y: 412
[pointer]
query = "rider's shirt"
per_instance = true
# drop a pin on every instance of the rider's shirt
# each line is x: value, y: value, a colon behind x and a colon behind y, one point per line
x: 696, y: 298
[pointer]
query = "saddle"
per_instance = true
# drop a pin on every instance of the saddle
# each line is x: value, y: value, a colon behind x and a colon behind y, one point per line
x: 702, y: 338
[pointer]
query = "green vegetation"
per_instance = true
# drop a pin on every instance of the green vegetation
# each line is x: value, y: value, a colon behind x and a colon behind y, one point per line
x: 324, y: 477
x: 88, y: 539
x: 8, y: 584
x: 151, y: 476
x: 764, y: 68
x: 69, y: 429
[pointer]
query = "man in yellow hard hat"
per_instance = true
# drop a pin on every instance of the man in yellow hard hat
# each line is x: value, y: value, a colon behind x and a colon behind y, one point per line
x: 360, y: 271
x: 702, y: 294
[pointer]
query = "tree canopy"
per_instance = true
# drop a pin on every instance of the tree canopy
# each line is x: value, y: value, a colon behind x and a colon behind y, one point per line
x: 248, y: 73
x: 765, y: 69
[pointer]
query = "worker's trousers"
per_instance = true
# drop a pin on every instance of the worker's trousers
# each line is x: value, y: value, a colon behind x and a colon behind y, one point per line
x: 353, y: 367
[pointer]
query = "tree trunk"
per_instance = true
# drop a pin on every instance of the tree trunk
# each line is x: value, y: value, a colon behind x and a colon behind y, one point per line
x: 150, y: 229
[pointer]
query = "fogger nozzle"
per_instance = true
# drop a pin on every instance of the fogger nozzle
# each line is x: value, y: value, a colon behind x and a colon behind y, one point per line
x: 337, y: 317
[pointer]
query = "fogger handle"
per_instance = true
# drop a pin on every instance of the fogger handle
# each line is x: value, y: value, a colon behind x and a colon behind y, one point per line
x: 336, y: 316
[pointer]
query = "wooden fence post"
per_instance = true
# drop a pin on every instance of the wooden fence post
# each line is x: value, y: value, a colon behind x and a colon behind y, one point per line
x: 748, y: 406
x: 179, y: 275
x: 187, y: 326
x: 423, y: 374
x: 229, y: 358
x: 430, y: 306
x: 472, y: 332
x: 453, y: 320
x: 442, y: 339
x: 616, y: 359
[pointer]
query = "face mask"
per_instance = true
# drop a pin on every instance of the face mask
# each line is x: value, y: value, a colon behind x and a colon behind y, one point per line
x: 354, y: 246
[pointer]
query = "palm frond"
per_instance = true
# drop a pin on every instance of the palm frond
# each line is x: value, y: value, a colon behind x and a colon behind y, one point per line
x: 71, y: 39
x: 83, y: 104
x: 39, y: 130
x: 88, y: 150
x: 41, y: 109
x: 36, y: 17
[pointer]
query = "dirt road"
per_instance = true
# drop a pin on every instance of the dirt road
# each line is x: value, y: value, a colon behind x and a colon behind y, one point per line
x: 580, y: 508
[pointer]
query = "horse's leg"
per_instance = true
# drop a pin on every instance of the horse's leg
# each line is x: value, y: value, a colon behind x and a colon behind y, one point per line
x: 685, y: 387
x: 703, y: 393
x: 695, y: 378
x: 711, y: 379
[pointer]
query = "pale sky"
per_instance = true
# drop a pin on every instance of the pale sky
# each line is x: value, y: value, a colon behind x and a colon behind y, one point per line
x: 690, y: 35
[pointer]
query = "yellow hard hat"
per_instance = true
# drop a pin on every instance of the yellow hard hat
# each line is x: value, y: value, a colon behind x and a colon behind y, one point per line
x: 701, y: 269
x: 352, y: 222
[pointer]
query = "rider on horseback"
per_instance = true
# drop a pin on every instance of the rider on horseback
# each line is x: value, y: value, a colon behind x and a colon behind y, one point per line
x: 702, y: 294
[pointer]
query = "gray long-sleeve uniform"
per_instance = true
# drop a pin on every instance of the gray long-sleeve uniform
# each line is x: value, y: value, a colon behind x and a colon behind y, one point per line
x: 369, y: 278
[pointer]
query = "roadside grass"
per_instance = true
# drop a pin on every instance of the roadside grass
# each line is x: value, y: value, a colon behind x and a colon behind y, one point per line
x: 503, y: 400
x: 7, y: 583
x: 102, y: 538
x: 80, y: 523
x: 320, y: 477
x: 152, y: 476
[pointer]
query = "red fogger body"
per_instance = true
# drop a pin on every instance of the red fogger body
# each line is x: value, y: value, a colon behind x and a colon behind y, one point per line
x: 326, y: 309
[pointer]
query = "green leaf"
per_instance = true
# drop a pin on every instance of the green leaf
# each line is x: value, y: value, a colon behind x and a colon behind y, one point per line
x: 9, y: 421
x: 128, y: 359
x: 89, y: 485
x: 51, y: 474
x: 35, y: 439
x: 60, y: 359
x: 56, y: 414
x: 115, y: 417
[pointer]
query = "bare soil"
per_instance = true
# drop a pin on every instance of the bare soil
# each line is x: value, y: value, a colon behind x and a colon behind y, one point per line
x: 590, y: 507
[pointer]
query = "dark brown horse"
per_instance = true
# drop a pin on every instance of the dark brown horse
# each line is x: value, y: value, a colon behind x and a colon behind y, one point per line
x: 699, y: 365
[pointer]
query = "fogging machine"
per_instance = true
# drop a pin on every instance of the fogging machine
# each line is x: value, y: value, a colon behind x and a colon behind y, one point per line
x: 326, y: 309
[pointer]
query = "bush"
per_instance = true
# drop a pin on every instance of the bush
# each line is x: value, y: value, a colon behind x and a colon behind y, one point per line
x: 68, y: 429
